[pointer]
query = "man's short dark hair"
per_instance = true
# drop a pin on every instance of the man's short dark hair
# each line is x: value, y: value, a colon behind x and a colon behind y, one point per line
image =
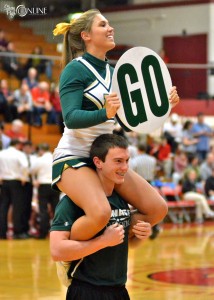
x: 27, y: 143
x: 15, y: 142
x: 43, y: 146
x: 142, y: 146
x: 104, y: 142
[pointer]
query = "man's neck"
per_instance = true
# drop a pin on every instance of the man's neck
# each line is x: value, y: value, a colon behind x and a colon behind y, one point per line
x: 108, y: 185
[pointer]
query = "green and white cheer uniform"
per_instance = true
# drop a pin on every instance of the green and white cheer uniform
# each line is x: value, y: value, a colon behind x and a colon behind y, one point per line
x: 83, y: 85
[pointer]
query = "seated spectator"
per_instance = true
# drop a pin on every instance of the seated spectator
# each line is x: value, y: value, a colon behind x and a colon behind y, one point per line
x: 179, y: 165
x: 4, y: 139
x: 42, y: 104
x: 11, y: 64
x: 23, y: 102
x: 8, y: 95
x: 4, y: 108
x: 3, y: 41
x: 190, y: 193
x: 206, y: 167
x: 209, y: 186
x: 55, y: 101
x: 31, y: 80
x: 16, y: 131
x: 43, y: 66
x: 193, y: 164
x: 36, y: 62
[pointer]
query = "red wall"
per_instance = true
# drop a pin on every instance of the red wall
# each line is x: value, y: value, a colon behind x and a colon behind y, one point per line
x: 187, y: 49
x: 190, y: 107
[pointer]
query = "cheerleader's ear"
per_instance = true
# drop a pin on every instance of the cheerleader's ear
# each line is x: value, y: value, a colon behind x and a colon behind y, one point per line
x: 85, y: 36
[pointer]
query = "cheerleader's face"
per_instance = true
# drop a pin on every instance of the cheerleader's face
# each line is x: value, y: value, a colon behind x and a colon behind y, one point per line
x: 100, y: 39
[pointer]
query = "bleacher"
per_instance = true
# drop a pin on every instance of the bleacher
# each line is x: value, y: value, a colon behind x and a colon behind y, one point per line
x: 25, y: 40
x: 179, y: 210
x: 46, y: 134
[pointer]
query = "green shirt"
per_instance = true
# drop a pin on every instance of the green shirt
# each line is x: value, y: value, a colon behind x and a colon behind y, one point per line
x: 80, y: 91
x: 109, y: 265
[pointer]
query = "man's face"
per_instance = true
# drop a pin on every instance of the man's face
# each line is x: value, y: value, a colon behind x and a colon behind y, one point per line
x: 115, y: 166
x: 201, y: 119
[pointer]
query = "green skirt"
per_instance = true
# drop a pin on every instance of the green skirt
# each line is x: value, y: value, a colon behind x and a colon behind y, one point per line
x: 61, y: 164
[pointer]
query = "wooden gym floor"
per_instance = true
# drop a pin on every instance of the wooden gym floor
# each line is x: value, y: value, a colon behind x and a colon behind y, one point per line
x: 177, y: 265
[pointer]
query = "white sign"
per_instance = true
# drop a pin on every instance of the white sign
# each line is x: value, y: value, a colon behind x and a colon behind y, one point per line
x: 143, y: 83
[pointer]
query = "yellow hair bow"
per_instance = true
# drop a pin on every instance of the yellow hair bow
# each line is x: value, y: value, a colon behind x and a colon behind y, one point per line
x: 61, y: 28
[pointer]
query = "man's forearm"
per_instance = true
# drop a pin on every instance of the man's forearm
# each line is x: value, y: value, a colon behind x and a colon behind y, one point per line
x: 64, y: 249
x: 68, y: 250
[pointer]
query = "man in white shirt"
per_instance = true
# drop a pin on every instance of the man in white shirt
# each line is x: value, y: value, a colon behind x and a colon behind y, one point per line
x: 172, y: 130
x: 42, y: 173
x: 144, y: 164
x: 23, y: 102
x: 13, y: 174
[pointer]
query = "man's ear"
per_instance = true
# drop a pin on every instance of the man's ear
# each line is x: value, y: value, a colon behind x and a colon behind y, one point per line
x: 85, y: 36
x: 97, y: 162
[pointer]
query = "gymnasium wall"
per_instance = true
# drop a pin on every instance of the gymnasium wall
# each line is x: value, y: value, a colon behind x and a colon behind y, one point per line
x: 146, y: 27
x: 147, y: 23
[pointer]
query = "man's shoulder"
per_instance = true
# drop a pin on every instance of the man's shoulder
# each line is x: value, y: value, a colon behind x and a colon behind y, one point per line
x: 66, y: 213
x: 66, y: 204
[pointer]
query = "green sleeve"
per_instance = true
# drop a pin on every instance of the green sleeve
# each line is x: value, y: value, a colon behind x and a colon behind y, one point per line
x: 71, y: 96
x: 66, y: 213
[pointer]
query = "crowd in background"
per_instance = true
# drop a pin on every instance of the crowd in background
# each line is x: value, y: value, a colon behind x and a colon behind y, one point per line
x: 34, y: 97
x: 183, y: 156
x: 31, y: 101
